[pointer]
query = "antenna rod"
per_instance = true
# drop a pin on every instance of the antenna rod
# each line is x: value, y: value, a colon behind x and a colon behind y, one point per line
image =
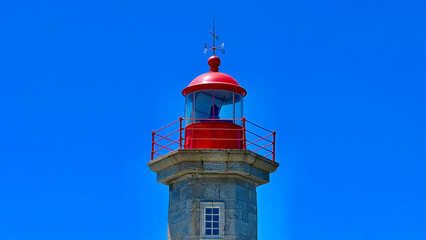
x: 214, y: 41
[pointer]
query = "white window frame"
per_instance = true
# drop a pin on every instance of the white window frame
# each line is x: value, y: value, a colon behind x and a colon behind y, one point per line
x: 210, y: 204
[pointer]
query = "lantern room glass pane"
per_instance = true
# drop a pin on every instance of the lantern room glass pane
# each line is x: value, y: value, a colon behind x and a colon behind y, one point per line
x: 204, y: 109
x: 224, y: 101
x: 189, y: 100
x: 217, y: 105
x: 238, y: 109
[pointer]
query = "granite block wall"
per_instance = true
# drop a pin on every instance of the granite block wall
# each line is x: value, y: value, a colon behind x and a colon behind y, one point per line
x: 238, y: 196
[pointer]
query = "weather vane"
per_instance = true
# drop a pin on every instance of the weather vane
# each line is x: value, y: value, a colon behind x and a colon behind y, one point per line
x: 214, y: 48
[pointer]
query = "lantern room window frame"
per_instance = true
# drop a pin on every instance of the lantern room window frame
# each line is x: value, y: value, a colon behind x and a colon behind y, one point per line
x: 208, y: 113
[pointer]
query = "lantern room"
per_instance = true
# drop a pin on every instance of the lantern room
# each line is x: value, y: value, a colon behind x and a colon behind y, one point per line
x: 214, y: 110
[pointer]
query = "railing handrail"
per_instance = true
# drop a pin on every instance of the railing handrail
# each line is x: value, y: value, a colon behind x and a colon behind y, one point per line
x: 168, y: 137
x: 260, y: 126
x: 214, y: 119
x: 167, y: 126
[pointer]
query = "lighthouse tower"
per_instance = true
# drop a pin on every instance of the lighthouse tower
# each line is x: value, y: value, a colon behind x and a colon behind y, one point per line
x: 215, y: 170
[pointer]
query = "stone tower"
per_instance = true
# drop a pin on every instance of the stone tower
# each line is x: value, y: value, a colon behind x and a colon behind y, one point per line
x: 213, y: 175
x: 212, y: 189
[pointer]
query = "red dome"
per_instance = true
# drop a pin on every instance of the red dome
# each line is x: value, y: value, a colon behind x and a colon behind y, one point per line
x: 214, y: 80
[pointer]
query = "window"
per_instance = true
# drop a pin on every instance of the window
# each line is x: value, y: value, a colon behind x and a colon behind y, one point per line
x: 212, y: 220
x: 213, y: 105
x: 189, y: 108
x: 204, y: 106
x: 225, y: 101
x: 238, y: 109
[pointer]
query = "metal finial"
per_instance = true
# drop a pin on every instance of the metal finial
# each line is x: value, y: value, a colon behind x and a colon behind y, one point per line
x: 214, y: 48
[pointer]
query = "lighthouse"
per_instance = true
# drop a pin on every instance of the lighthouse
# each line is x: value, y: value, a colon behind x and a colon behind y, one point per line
x: 213, y: 159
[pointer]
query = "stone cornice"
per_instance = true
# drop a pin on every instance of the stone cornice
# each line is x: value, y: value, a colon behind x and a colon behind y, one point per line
x: 244, y: 163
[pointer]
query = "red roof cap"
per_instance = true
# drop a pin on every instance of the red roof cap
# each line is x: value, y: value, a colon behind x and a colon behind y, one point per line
x: 214, y: 80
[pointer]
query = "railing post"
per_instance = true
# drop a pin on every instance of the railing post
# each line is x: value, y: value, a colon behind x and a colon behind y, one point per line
x: 153, y: 144
x: 244, y: 133
x: 273, y: 147
x: 180, y: 132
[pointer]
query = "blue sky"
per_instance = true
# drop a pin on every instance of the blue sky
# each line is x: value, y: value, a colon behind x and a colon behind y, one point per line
x: 83, y: 84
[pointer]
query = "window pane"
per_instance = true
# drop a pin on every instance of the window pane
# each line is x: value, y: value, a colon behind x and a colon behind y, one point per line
x: 204, y: 105
x: 215, y: 210
x: 208, y: 217
x: 215, y: 231
x: 208, y: 232
x: 208, y: 225
x: 224, y: 100
x: 189, y: 108
x: 208, y: 210
x: 238, y: 108
x: 215, y: 225
x: 215, y: 218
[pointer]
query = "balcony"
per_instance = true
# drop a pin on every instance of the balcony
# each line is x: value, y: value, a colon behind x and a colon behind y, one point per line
x: 213, y: 134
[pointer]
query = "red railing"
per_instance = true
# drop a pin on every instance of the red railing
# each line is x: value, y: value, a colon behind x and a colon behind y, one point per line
x: 254, y: 137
